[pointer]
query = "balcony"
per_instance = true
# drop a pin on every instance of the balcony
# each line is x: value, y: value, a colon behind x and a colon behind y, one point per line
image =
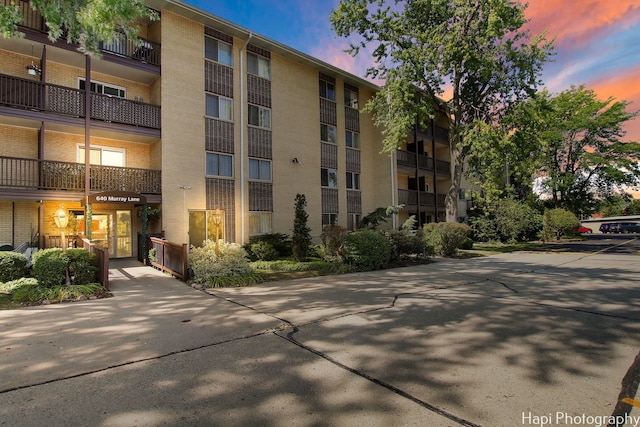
x: 32, y: 95
x: 410, y: 198
x: 33, y: 174
x: 409, y: 160
x: 147, y: 51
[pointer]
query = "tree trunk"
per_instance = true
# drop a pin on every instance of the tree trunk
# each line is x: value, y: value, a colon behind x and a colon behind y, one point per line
x: 452, y: 195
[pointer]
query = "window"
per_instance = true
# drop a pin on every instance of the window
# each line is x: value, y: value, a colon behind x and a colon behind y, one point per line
x: 353, y: 139
x: 218, y: 51
x: 353, y: 181
x: 219, y: 164
x: 351, y: 98
x: 260, y: 222
x: 352, y: 221
x: 105, y: 156
x: 258, y: 65
x: 259, y: 116
x: 328, y: 133
x: 219, y: 107
x: 327, y: 90
x: 260, y: 169
x: 329, y: 219
x: 103, y: 88
x: 462, y: 194
x: 329, y: 178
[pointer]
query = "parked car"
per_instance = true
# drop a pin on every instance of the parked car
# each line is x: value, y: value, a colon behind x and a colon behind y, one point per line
x: 608, y: 227
x: 582, y: 230
x: 627, y: 227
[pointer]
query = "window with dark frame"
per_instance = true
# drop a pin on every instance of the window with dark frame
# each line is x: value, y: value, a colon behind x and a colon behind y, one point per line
x: 329, y: 178
x: 218, y: 51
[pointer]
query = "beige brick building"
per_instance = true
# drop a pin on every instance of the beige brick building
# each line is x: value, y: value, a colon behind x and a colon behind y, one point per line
x: 206, y: 121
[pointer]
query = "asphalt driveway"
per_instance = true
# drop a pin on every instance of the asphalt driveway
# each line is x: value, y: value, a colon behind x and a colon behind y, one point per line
x: 499, y: 341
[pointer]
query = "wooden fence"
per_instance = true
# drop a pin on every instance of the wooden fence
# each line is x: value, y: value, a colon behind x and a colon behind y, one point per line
x: 170, y: 257
x: 103, y: 261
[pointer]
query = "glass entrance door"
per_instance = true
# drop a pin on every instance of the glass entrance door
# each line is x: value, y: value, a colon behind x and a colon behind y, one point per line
x: 112, y: 231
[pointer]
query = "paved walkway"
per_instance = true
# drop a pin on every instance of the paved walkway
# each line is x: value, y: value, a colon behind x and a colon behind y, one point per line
x: 490, y: 341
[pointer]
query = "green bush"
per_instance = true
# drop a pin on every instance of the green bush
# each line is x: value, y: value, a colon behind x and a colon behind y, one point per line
x: 263, y: 251
x: 558, y: 222
x: 446, y: 237
x: 366, y: 249
x: 206, y: 265
x: 49, y: 267
x: 332, y: 236
x: 83, y: 266
x: 279, y: 241
x: 13, y: 265
x: 507, y: 220
x: 29, y: 290
x: 403, y: 243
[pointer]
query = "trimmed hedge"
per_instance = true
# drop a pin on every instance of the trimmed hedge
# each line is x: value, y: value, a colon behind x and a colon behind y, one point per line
x: 366, y: 250
x: 13, y: 265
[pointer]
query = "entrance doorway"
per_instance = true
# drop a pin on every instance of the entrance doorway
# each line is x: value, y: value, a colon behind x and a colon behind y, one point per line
x: 112, y: 230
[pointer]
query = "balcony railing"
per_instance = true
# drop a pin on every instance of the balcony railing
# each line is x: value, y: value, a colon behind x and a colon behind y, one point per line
x: 412, y: 197
x: 37, y: 96
x: 411, y: 160
x: 148, y: 51
x: 34, y: 174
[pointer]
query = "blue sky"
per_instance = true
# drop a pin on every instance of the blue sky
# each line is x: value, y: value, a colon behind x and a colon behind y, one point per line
x: 597, y: 41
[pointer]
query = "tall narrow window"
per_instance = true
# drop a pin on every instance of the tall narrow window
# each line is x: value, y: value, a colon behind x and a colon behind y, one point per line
x: 351, y: 98
x: 353, y: 181
x: 218, y: 51
x: 352, y: 139
x: 219, y: 107
x: 328, y: 133
x: 258, y: 65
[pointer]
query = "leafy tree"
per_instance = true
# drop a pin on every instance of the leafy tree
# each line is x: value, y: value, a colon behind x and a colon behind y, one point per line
x: 633, y: 208
x: 422, y: 48
x: 373, y: 219
x: 578, y: 146
x: 614, y: 205
x: 301, y: 238
x: 85, y: 22
x: 558, y: 222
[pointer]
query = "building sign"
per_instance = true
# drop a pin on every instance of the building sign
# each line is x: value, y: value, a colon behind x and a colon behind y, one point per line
x: 117, y: 197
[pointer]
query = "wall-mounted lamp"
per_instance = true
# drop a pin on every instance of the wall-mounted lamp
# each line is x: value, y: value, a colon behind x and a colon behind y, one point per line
x: 295, y: 160
x: 33, y: 69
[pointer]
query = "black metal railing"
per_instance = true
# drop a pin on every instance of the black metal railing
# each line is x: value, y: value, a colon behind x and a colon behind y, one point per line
x: 145, y: 50
x: 32, y: 95
x: 34, y: 174
x: 412, y: 197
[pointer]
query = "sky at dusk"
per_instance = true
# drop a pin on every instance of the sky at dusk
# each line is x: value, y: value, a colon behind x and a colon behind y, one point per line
x: 597, y: 41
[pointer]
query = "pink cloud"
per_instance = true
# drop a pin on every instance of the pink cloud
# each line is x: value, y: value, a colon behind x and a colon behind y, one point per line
x: 623, y: 87
x: 580, y: 21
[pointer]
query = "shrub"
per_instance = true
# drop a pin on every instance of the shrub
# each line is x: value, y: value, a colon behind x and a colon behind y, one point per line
x: 332, y: 236
x: 279, y: 241
x: 264, y: 251
x: 49, y: 267
x: 13, y: 265
x: 366, y: 250
x: 507, y: 220
x: 301, y: 240
x: 558, y: 222
x: 29, y: 290
x: 206, y: 265
x: 406, y: 244
x: 83, y: 266
x: 446, y: 237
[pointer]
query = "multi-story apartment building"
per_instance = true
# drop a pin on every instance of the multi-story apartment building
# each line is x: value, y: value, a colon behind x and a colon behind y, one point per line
x: 216, y: 126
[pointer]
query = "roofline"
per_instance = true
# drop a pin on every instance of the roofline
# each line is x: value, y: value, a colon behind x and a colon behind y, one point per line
x: 207, y: 18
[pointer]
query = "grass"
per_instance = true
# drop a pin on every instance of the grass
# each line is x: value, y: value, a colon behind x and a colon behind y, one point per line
x: 486, y: 249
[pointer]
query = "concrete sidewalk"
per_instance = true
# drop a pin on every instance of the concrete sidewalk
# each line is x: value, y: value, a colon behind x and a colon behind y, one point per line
x: 486, y: 341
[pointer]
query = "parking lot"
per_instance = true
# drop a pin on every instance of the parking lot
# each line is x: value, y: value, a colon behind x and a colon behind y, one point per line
x: 498, y: 341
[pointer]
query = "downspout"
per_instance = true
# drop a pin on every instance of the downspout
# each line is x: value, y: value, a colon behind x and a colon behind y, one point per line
x: 242, y: 138
x: 87, y: 149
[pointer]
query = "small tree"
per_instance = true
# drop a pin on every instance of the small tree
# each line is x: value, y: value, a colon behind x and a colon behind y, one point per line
x: 558, y: 222
x: 301, y: 239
